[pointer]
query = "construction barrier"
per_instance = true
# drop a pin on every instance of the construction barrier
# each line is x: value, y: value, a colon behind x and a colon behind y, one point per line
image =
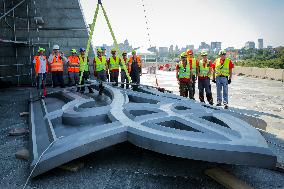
x: 269, y: 73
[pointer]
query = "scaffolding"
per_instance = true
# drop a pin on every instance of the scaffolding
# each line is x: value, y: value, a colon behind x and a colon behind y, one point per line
x: 28, y: 43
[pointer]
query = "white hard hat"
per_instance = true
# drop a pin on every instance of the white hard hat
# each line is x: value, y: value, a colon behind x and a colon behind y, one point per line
x: 55, y: 47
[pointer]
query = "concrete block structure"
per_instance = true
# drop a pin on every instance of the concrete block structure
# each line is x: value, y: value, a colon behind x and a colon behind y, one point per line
x: 29, y: 24
x: 67, y: 125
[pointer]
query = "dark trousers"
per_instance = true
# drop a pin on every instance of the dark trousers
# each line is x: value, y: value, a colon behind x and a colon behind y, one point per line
x: 57, y: 79
x: 135, y: 77
x: 114, y: 77
x: 193, y: 86
x: 73, y: 78
x: 204, y: 84
x: 185, y: 89
x: 124, y: 79
x: 85, y: 76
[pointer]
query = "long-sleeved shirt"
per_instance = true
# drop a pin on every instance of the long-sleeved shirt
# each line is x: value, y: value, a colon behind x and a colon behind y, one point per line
x: 51, y: 57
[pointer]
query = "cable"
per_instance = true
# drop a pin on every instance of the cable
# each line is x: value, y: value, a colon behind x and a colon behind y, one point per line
x: 39, y: 160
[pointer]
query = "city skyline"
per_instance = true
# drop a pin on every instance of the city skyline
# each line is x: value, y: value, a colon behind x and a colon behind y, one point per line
x: 240, y: 21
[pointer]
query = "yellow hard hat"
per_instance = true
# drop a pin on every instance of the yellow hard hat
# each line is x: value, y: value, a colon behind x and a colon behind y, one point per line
x: 113, y: 50
x: 183, y: 55
x: 99, y: 50
x: 73, y: 51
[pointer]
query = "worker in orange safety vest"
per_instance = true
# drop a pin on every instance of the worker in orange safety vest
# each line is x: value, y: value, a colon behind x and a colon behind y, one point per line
x: 41, y: 68
x: 73, y: 68
x: 57, y: 61
x: 135, y: 69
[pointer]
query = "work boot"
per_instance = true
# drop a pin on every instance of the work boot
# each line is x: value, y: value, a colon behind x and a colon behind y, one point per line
x: 209, y: 98
x: 201, y: 97
x: 226, y: 106
x: 219, y: 104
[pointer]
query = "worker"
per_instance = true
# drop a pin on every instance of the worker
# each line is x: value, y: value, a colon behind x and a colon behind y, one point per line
x: 124, y: 78
x: 100, y: 66
x: 41, y: 68
x: 204, y: 71
x: 73, y: 68
x: 107, y: 71
x: 193, y: 62
x: 222, y: 70
x: 184, y: 77
x: 113, y: 65
x: 135, y: 69
x: 84, y: 71
x: 57, y: 60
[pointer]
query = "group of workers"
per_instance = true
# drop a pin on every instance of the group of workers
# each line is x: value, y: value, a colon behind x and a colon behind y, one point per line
x: 189, y: 69
x: 105, y: 69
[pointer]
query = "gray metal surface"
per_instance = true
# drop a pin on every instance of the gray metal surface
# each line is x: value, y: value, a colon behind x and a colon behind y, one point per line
x: 162, y: 122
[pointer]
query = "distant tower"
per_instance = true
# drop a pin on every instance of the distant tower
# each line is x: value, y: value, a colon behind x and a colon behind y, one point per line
x: 260, y: 43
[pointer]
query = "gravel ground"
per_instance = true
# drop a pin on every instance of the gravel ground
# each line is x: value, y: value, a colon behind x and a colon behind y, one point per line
x: 127, y: 166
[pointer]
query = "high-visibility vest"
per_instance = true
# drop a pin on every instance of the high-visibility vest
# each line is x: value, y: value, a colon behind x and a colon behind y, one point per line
x: 184, y: 72
x: 203, y: 72
x: 101, y: 65
x: 222, y: 69
x: 73, y: 64
x: 138, y: 59
x: 83, y: 66
x: 114, y: 64
x: 57, y: 64
x: 193, y: 65
x: 37, y: 64
x: 126, y: 64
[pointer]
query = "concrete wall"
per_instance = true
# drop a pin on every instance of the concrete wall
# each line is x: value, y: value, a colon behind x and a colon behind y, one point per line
x: 269, y: 73
x: 63, y: 25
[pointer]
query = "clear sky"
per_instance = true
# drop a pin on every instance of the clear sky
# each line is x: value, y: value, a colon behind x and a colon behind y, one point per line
x: 184, y: 22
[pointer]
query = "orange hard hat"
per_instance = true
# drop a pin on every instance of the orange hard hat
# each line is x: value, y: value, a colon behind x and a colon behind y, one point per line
x: 189, y: 52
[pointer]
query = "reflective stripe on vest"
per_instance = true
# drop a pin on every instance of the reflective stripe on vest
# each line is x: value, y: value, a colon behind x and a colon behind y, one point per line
x: 183, y: 72
x: 222, y: 69
x: 83, y: 66
x: 126, y: 64
x: 203, y: 72
x: 193, y: 65
x: 100, y: 65
x: 57, y: 64
x: 73, y: 64
x: 113, y: 64
x: 37, y: 64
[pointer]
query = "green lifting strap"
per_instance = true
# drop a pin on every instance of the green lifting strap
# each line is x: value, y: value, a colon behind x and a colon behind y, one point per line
x: 113, y: 37
x: 89, y: 41
x: 115, y: 43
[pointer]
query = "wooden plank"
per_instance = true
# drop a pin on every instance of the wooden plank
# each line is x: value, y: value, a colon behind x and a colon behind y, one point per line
x: 226, y: 179
x: 24, y: 113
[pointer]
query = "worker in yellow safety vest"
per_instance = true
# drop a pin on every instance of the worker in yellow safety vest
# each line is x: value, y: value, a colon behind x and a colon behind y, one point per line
x: 41, y: 68
x: 113, y: 65
x: 204, y: 71
x: 57, y: 60
x: 222, y: 76
x: 193, y: 62
x: 84, y: 71
x: 100, y: 66
x: 73, y: 68
x: 184, y: 76
x: 124, y: 78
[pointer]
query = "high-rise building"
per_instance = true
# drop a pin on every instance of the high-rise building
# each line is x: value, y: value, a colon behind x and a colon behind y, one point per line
x: 204, y: 45
x: 163, y: 51
x: 171, y: 49
x: 190, y: 47
x: 176, y: 49
x: 250, y: 45
x: 216, y: 46
x: 260, y: 43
